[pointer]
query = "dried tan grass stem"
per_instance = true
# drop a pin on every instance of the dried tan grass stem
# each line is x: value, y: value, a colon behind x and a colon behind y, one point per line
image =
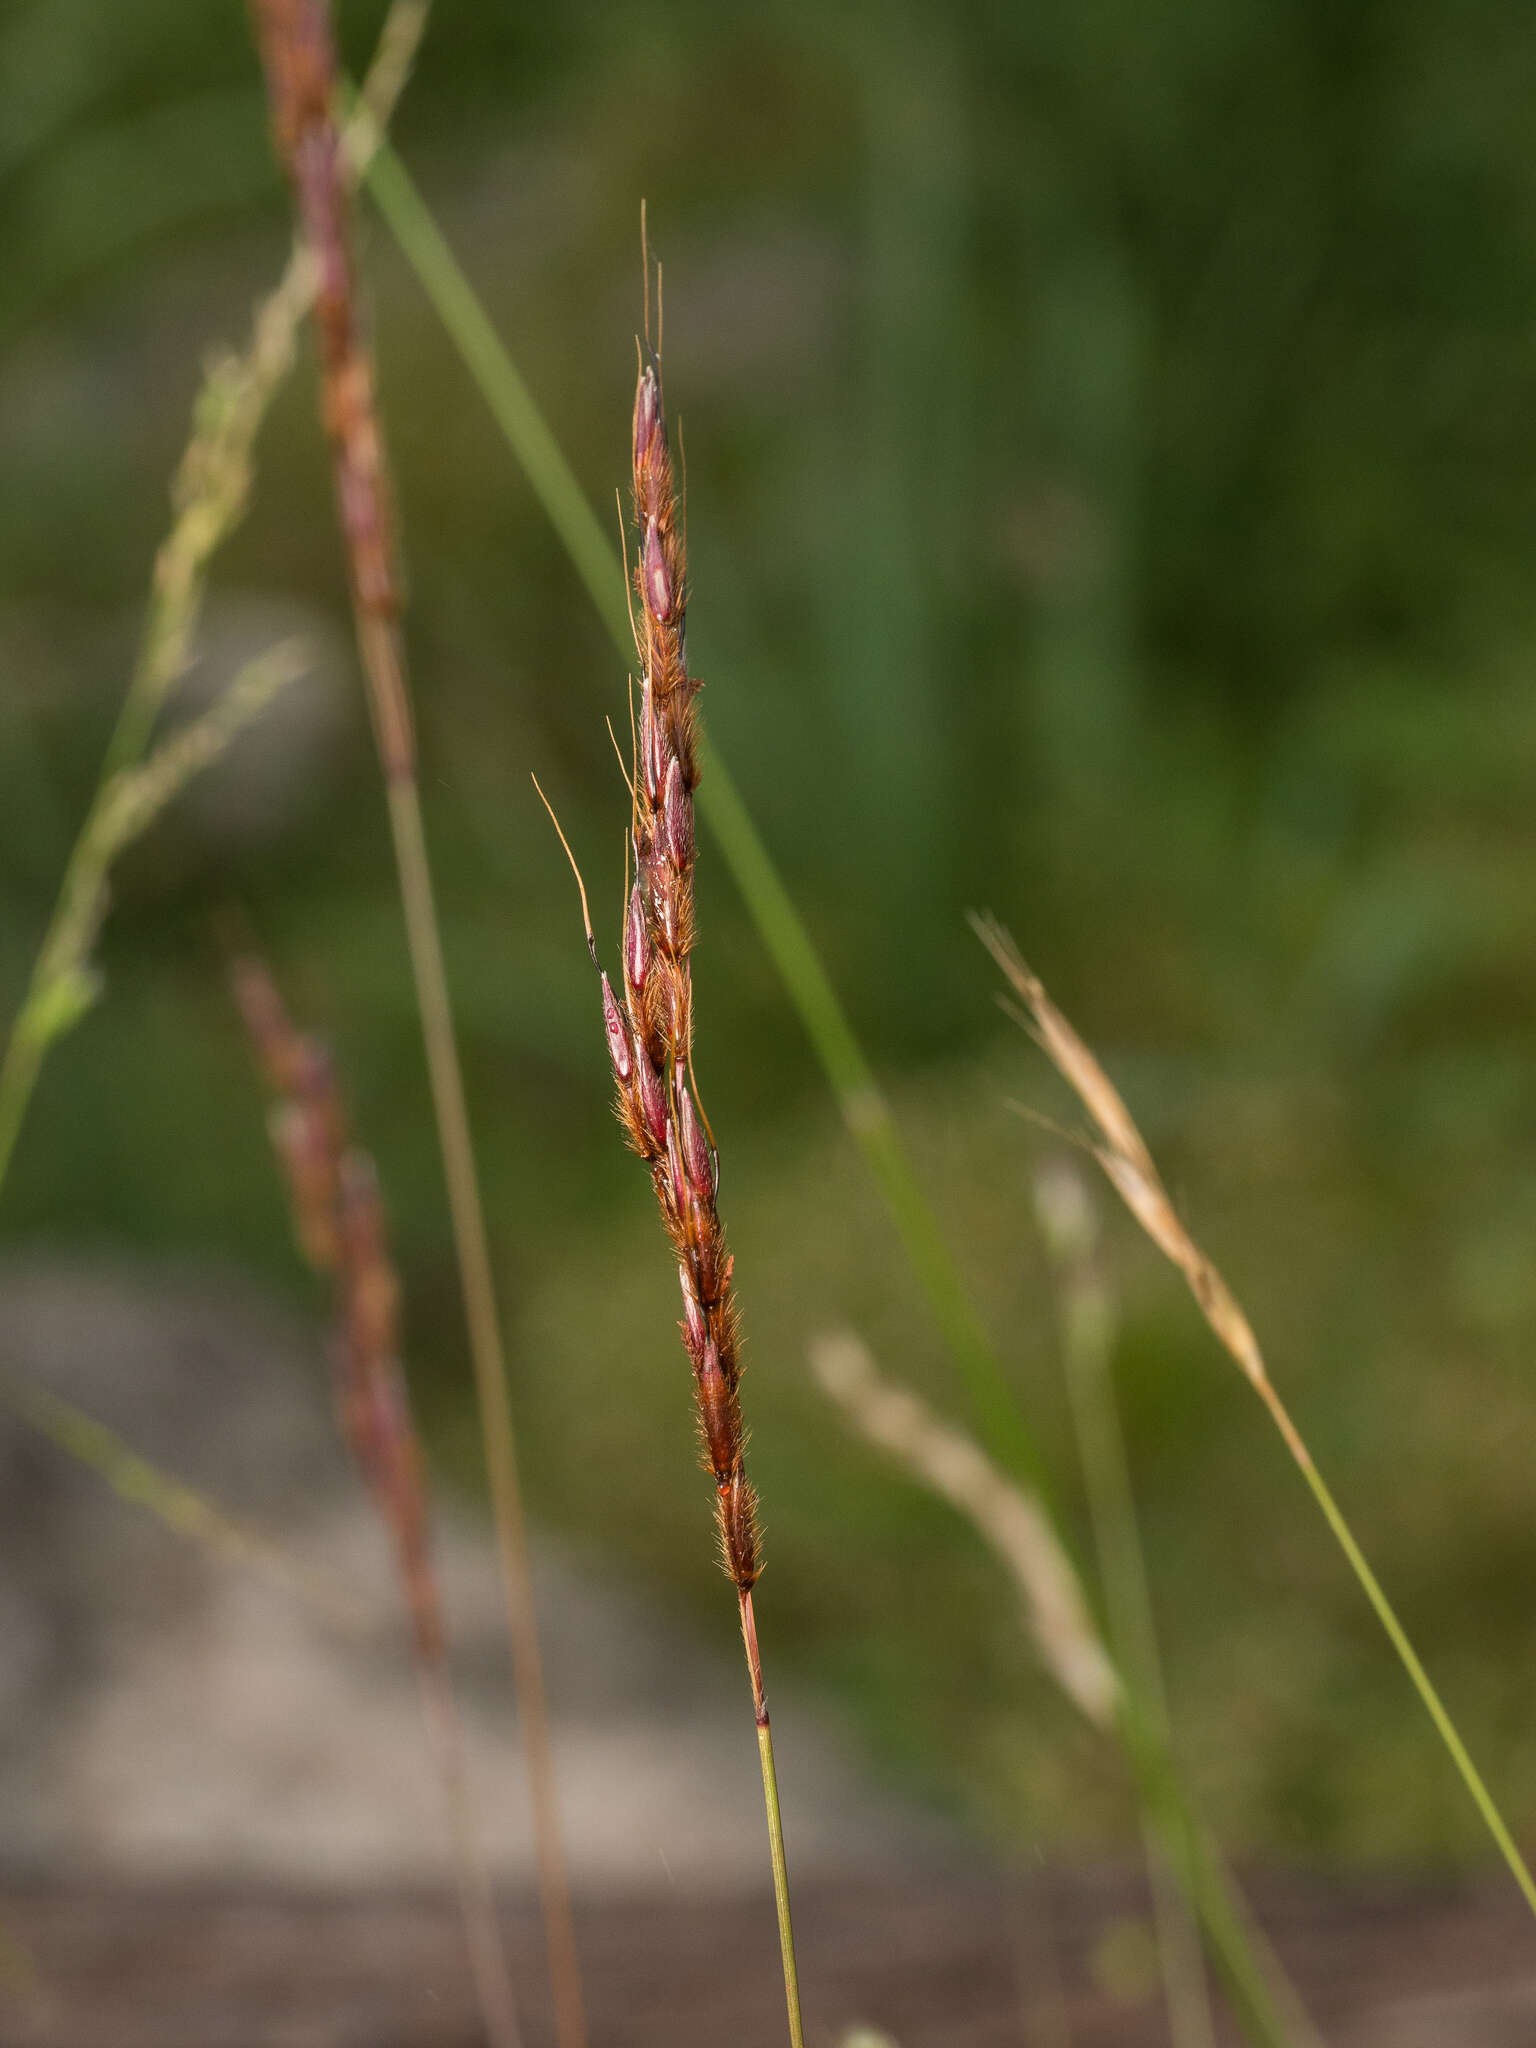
x: 1010, y: 1521
x: 1128, y: 1165
x: 300, y: 61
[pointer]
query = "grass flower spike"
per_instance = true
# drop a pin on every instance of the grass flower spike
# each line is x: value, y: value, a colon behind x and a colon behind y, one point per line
x: 648, y: 1024
x: 650, y: 1033
x: 338, y: 1216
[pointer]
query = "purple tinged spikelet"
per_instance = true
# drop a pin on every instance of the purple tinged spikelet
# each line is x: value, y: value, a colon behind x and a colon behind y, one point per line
x: 657, y: 1107
x: 647, y: 417
x: 695, y: 1146
x: 653, y: 757
x: 617, y: 1033
x: 637, y: 943
x: 653, y: 1102
x: 720, y: 1424
x: 675, y: 1168
x: 673, y: 1008
x: 736, y: 1506
x: 695, y: 1328
x: 677, y: 817
x: 659, y: 594
x: 665, y: 892
x: 708, y: 1268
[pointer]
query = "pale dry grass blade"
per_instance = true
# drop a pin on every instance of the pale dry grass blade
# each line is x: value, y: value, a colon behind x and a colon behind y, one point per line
x: 1010, y: 1521
x: 63, y: 985
x: 1127, y: 1163
x: 1074, y: 1652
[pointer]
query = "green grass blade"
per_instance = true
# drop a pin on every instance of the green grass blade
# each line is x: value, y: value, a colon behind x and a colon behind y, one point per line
x: 502, y: 387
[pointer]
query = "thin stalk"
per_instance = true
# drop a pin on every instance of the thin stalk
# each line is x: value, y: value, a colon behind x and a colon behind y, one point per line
x: 489, y: 1364
x: 775, y: 1823
x: 1086, y: 1314
x: 482, y: 1936
x: 500, y: 382
x: 63, y: 985
x: 864, y: 1107
x: 139, y: 1483
x: 1386, y: 1614
x: 1267, y: 2002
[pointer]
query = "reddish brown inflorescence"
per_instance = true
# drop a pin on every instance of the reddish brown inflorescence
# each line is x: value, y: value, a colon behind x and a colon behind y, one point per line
x: 299, y: 57
x: 650, y: 1028
x: 339, y: 1222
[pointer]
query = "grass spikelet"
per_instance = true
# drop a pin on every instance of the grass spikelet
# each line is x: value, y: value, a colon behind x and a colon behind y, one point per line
x: 1128, y: 1165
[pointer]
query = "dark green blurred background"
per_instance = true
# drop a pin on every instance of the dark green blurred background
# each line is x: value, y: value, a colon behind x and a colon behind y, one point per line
x: 1111, y: 446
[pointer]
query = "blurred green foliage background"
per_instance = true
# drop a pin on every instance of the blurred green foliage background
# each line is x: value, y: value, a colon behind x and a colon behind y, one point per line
x: 1111, y: 445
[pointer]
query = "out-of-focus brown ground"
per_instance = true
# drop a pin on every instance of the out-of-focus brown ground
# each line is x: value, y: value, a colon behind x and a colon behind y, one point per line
x: 218, y: 1824
x: 935, y: 1963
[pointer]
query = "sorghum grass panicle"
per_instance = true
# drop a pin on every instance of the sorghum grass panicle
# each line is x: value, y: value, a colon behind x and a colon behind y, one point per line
x: 302, y: 80
x: 650, y: 1032
x: 648, y: 1025
x: 1128, y: 1165
x: 300, y: 59
x: 339, y: 1223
